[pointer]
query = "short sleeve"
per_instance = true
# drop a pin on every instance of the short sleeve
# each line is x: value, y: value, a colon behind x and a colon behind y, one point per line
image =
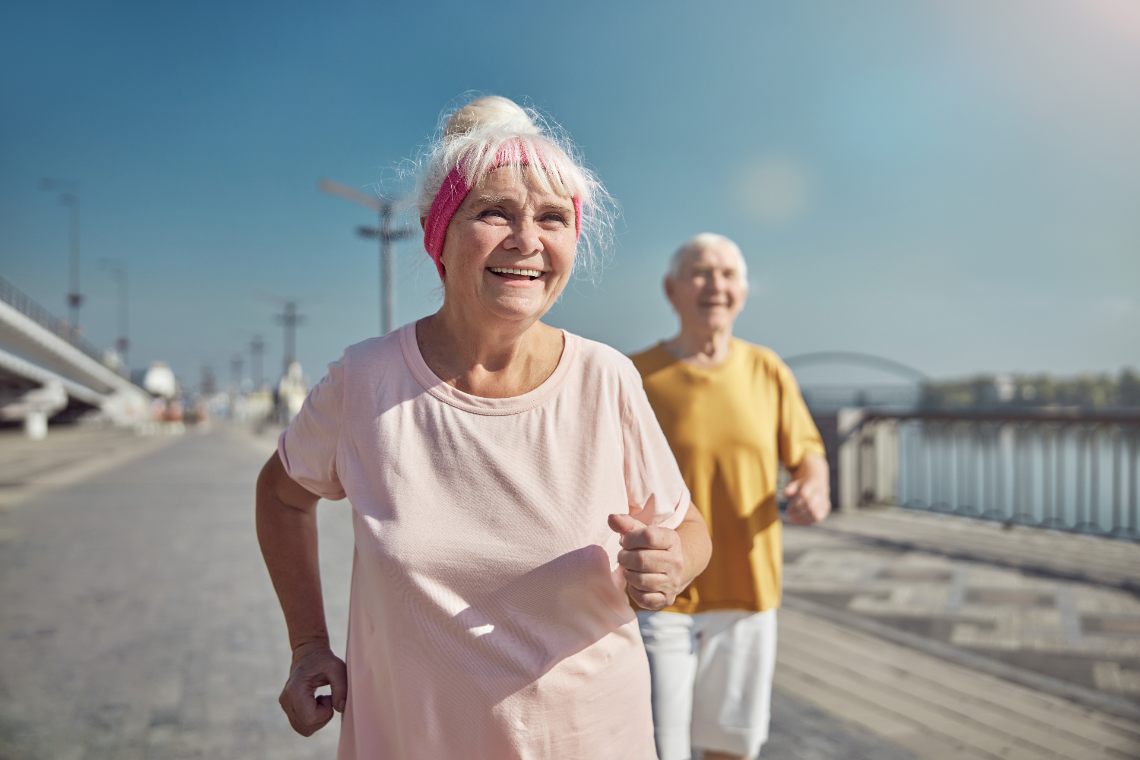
x: 797, y: 435
x: 308, y: 447
x: 655, y: 490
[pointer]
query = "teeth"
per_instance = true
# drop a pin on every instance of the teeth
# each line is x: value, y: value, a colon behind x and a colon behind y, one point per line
x: 523, y: 272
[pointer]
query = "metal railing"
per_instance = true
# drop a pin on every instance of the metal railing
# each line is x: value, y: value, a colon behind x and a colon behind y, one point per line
x: 1067, y: 471
x: 24, y: 304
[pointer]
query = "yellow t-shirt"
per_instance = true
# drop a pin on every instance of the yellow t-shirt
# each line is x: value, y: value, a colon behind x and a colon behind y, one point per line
x: 729, y: 426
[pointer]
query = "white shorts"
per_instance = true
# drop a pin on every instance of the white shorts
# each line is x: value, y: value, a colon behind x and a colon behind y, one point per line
x: 712, y: 680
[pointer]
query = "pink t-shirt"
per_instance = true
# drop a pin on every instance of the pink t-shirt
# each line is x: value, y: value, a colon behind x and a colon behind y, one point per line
x: 487, y: 616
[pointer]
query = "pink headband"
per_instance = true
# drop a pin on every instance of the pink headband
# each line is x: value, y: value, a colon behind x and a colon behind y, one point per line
x: 448, y: 200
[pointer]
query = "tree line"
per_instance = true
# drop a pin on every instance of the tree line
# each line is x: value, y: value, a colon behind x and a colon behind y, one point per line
x: 1086, y: 391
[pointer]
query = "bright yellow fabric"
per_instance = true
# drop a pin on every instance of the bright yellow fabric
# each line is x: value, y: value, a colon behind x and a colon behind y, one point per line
x: 729, y: 426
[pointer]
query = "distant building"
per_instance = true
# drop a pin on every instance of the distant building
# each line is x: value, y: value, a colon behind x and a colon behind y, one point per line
x: 159, y: 380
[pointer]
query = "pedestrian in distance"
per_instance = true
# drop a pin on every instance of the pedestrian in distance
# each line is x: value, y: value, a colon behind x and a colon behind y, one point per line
x: 509, y: 484
x: 732, y: 412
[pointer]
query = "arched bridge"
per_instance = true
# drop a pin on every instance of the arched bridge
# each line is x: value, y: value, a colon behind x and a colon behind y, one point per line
x: 869, y: 361
x: 903, y: 391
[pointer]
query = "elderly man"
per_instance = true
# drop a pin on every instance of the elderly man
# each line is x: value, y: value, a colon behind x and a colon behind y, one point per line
x: 731, y: 412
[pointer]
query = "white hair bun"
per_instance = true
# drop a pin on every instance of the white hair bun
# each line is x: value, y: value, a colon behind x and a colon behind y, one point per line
x: 492, y: 112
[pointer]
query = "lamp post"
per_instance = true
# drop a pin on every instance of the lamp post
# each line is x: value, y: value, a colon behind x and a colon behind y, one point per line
x: 386, y: 235
x: 118, y: 270
x: 256, y: 349
x: 289, y: 319
x: 69, y: 196
x: 237, y: 363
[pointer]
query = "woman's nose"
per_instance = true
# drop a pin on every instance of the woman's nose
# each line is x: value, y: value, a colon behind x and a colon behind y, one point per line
x: 525, y: 235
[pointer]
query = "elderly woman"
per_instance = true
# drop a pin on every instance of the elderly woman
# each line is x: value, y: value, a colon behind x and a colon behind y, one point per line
x: 508, y: 483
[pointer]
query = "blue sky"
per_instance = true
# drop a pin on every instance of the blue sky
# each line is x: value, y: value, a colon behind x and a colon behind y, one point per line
x: 953, y: 184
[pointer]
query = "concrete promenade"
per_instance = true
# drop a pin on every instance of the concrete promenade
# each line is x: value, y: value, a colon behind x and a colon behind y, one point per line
x: 960, y: 638
x: 138, y: 621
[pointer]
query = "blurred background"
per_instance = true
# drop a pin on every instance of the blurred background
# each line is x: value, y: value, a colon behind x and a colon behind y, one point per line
x: 938, y: 203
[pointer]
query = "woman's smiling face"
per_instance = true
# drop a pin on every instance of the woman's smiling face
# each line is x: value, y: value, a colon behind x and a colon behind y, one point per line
x: 509, y: 250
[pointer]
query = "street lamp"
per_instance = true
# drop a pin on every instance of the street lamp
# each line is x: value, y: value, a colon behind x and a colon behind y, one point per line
x: 256, y: 349
x: 69, y: 196
x: 289, y: 318
x: 237, y: 363
x: 384, y: 233
x: 118, y: 270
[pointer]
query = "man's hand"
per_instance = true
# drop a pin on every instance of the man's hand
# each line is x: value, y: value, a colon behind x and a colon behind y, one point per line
x: 809, y: 493
x: 652, y: 560
x: 314, y: 665
x: 807, y: 505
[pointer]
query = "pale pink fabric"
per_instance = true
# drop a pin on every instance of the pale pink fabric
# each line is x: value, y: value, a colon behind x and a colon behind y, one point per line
x: 487, y: 617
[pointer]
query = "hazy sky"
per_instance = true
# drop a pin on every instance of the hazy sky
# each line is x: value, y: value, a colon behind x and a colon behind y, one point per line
x: 953, y: 184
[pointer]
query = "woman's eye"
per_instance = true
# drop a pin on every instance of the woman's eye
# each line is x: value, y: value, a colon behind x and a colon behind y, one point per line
x: 492, y: 213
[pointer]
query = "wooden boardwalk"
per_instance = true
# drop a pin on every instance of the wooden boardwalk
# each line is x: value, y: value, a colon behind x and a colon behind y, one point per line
x: 881, y: 623
x: 935, y: 708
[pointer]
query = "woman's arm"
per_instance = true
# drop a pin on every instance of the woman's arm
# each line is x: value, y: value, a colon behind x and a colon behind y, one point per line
x: 287, y: 532
x: 696, y: 545
x: 658, y: 563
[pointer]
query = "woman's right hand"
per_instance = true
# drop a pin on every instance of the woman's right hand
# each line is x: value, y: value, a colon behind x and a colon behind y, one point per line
x: 314, y: 666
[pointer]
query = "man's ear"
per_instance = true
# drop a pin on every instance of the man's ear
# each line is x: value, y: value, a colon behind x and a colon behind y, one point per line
x: 667, y: 284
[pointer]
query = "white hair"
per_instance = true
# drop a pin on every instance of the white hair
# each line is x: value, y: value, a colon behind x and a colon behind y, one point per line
x: 700, y: 242
x: 494, y: 133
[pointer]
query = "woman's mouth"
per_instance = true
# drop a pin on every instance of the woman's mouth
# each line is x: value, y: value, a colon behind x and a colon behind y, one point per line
x: 514, y: 273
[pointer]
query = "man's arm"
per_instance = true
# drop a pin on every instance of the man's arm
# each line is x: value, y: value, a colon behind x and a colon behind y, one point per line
x: 809, y: 493
x: 287, y: 533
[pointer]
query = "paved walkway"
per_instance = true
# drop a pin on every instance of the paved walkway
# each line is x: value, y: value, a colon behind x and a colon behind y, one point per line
x: 1063, y: 608
x: 68, y: 455
x: 138, y: 619
x: 959, y: 638
x: 139, y: 622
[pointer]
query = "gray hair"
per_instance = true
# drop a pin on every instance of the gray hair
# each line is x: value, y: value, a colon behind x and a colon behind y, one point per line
x: 475, y: 137
x: 699, y: 243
